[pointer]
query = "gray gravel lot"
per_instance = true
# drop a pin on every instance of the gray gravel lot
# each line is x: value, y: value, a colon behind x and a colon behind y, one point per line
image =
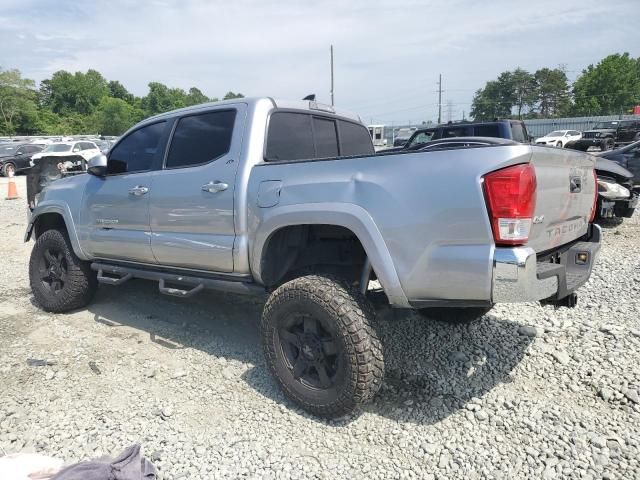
x: 527, y: 392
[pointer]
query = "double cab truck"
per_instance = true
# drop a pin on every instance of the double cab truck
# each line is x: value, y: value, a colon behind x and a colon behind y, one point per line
x: 288, y: 199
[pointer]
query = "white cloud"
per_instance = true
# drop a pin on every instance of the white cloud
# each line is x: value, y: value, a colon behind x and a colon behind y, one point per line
x: 388, y: 54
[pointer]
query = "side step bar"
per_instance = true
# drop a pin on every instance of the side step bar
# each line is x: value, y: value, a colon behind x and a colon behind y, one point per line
x: 117, y: 275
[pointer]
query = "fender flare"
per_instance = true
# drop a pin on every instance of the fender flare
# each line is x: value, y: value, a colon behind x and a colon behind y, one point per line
x: 347, y: 215
x: 65, y: 212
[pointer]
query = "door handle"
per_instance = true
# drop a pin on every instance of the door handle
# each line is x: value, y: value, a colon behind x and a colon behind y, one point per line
x: 138, y: 190
x: 213, y: 187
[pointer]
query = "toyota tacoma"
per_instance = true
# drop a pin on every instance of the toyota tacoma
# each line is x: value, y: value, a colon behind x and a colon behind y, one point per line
x: 288, y: 199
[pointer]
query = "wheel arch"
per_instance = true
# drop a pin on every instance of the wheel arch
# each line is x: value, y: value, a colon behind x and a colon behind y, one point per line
x: 46, y: 217
x: 351, y: 218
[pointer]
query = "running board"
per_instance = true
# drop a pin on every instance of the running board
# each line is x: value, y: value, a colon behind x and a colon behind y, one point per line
x: 183, y: 286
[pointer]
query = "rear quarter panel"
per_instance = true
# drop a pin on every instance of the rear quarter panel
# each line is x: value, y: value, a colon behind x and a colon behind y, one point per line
x: 428, y: 208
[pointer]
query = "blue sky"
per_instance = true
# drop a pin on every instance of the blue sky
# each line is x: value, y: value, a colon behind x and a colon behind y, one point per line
x: 388, y: 54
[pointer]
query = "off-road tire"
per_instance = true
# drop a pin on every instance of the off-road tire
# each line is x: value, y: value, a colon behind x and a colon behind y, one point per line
x: 607, y: 144
x: 348, y: 316
x: 454, y: 315
x: 6, y: 167
x: 80, y: 283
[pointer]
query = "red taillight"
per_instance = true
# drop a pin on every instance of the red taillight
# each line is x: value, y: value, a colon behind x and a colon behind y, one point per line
x: 511, y: 199
x: 595, y: 197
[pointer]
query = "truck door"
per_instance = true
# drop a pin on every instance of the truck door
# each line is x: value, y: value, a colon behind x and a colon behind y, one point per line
x: 116, y: 207
x: 191, y: 206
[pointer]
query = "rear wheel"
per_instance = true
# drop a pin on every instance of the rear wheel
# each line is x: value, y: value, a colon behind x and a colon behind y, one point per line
x: 320, y: 345
x: 455, y: 315
x: 8, y: 169
x: 60, y: 281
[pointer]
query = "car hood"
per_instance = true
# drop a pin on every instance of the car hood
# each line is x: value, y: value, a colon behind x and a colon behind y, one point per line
x: 54, y: 154
x: 608, y: 166
x: 604, y: 130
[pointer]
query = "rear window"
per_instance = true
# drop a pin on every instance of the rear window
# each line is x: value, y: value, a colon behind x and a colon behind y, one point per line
x: 326, y: 137
x: 301, y: 136
x: 290, y: 137
x: 354, y: 139
x: 517, y: 132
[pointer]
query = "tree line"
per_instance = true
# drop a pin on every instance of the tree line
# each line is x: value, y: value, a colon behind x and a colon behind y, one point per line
x: 611, y: 87
x: 83, y: 103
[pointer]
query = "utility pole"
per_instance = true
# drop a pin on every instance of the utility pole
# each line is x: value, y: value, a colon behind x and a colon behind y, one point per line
x: 332, y: 75
x: 440, y: 100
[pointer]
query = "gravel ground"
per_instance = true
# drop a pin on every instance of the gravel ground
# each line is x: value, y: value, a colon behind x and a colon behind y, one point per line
x: 528, y: 392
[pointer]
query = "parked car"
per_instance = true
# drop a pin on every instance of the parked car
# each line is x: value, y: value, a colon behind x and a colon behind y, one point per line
x: 559, y: 138
x: 628, y: 157
x: 72, y: 153
x: 288, y: 199
x: 617, y: 194
x: 606, y: 135
x: 15, y: 157
x: 508, y: 129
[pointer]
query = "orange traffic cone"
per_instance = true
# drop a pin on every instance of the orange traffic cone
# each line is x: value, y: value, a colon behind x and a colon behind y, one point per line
x: 12, y: 193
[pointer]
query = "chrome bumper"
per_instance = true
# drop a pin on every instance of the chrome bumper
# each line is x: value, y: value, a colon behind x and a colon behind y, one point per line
x: 519, y: 277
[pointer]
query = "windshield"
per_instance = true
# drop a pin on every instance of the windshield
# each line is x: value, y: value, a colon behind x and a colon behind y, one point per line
x: 57, y: 147
x: 557, y: 133
x: 604, y: 125
x: 422, y: 137
x: 7, y: 149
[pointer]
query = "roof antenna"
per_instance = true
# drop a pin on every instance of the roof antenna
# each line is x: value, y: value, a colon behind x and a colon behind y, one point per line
x: 311, y: 98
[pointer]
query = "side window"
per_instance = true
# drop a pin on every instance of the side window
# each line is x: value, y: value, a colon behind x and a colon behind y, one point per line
x: 486, y: 131
x: 290, y: 137
x: 76, y: 148
x: 201, y: 138
x: 450, y: 132
x: 136, y: 152
x: 326, y: 137
x: 518, y: 132
x: 355, y: 139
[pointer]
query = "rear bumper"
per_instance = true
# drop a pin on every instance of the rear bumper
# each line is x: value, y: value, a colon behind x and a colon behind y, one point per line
x: 518, y: 275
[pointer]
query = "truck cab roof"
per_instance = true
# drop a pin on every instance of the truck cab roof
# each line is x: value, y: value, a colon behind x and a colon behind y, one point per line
x: 305, y: 105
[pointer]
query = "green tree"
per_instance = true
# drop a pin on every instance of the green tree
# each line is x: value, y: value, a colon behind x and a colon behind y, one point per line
x: 17, y: 100
x: 511, y: 90
x: 79, y: 93
x: 490, y: 102
x: 230, y: 95
x: 117, y: 90
x: 113, y: 116
x: 162, y: 99
x: 552, y: 92
x: 611, y: 87
x: 195, y: 97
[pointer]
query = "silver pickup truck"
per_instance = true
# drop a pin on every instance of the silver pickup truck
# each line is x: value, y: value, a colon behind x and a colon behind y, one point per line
x: 288, y: 199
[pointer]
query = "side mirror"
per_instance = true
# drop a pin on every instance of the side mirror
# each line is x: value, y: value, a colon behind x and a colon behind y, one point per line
x: 97, y: 165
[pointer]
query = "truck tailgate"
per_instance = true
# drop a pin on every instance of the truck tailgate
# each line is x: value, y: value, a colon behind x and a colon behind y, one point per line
x: 564, y: 200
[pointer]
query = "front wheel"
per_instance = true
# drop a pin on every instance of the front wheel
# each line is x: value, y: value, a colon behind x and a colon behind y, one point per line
x: 559, y: 144
x: 608, y: 144
x: 320, y: 345
x: 59, y: 280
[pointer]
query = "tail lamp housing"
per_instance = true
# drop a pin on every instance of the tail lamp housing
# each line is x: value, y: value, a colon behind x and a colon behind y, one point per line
x: 511, y: 199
